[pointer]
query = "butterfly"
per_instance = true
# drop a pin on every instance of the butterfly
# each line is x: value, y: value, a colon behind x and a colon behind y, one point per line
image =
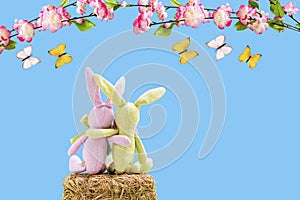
x: 181, y: 48
x: 221, y: 48
x: 251, y: 60
x: 63, y: 58
x: 27, y: 60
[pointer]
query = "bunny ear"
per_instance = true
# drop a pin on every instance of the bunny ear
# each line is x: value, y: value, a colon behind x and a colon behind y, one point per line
x: 150, y: 96
x: 120, y: 87
x: 93, y: 89
x: 109, y: 90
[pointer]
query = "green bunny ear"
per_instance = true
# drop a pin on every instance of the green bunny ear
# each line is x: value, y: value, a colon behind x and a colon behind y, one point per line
x: 150, y: 96
x: 101, y: 133
x: 109, y: 90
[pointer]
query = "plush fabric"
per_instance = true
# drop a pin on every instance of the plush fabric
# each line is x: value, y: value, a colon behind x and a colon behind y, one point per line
x: 98, y: 121
x: 127, y: 117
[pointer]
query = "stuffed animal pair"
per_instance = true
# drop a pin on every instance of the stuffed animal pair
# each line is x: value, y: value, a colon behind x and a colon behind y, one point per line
x: 100, y: 132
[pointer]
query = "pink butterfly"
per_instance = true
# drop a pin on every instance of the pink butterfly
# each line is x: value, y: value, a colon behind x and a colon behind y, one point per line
x: 27, y: 60
x: 221, y: 48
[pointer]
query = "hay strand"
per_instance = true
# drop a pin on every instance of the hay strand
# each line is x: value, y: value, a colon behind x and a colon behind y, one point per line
x: 109, y: 187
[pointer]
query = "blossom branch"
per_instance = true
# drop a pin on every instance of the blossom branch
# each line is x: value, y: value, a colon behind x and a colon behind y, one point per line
x: 80, y: 17
x: 293, y: 18
x: 165, y: 22
x: 71, y: 4
x: 191, y: 14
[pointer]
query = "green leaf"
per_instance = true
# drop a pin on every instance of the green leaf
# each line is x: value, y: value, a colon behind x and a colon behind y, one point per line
x: 175, y: 3
x: 85, y: 26
x: 276, y: 25
x: 162, y: 31
x: 298, y: 25
x: 276, y: 8
x: 240, y: 27
x: 12, y: 45
x: 64, y: 3
x: 253, y: 4
x: 112, y: 4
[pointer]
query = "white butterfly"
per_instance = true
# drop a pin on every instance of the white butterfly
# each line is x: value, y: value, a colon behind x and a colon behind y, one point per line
x: 27, y: 60
x: 221, y: 48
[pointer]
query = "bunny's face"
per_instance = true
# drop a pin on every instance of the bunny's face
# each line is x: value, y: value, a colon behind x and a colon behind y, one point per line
x: 101, y: 117
x: 131, y: 113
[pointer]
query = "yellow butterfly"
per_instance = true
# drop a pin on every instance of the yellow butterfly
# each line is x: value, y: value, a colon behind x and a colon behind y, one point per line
x: 181, y: 48
x: 251, y: 60
x: 63, y: 58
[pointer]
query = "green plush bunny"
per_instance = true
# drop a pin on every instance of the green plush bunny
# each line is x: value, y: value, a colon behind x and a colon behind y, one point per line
x: 127, y: 116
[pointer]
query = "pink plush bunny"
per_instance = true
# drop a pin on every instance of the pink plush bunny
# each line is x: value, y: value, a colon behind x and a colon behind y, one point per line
x: 100, y: 117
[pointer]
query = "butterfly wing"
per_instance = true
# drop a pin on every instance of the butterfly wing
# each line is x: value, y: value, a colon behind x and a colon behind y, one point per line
x: 62, y: 60
x: 57, y: 51
x: 28, y: 50
x: 220, y: 40
x: 212, y: 44
x: 29, y: 62
x: 253, y: 60
x: 219, y: 54
x: 222, y: 52
x: 187, y: 56
x: 226, y: 50
x: 245, y: 55
x: 181, y: 46
x: 24, y: 53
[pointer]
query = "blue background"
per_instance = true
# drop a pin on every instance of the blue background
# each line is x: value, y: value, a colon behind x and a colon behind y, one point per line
x: 255, y: 158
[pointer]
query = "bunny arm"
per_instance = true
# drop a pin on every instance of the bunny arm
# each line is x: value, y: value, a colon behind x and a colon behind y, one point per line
x: 74, y: 148
x: 144, y: 163
x: 74, y: 139
x: 121, y: 140
x: 85, y: 120
x: 142, y: 155
x: 101, y: 133
x: 95, y: 133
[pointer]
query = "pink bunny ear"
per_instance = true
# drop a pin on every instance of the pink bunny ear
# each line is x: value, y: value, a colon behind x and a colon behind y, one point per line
x: 120, y: 87
x: 92, y: 88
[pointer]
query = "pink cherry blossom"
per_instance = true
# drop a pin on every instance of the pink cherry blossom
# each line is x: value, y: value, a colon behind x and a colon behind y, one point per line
x: 4, y: 38
x: 53, y: 18
x: 192, y: 13
x: 101, y: 10
x: 253, y: 18
x: 143, y: 3
x: 222, y: 16
x: 81, y: 7
x: 153, y: 5
x: 259, y: 24
x: 290, y: 9
x: 191, y: 16
x: 80, y: 21
x: 167, y: 25
x: 123, y: 4
x: 179, y: 15
x: 243, y: 14
x: 142, y: 23
x: 65, y: 16
x: 24, y: 29
x: 161, y: 11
